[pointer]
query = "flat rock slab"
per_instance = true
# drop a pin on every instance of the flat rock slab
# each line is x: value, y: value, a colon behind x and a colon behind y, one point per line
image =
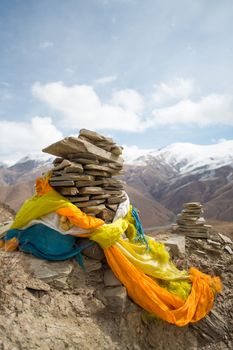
x: 97, y: 173
x: 74, y: 168
x: 85, y: 161
x: 98, y: 167
x: 61, y: 183
x: 95, y: 209
x: 116, y: 200
x: 68, y: 191
x: 84, y: 183
x: 89, y: 203
x: 100, y: 196
x: 45, y: 270
x: 63, y: 164
x: 91, y: 190
x: 176, y: 243
x: 37, y: 284
x: 113, y: 192
x: 78, y: 199
x: 72, y: 177
x: 192, y: 204
x: 71, y: 145
x: 225, y: 239
x: 94, y: 136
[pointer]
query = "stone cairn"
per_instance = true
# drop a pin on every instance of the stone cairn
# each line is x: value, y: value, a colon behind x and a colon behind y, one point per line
x: 84, y: 173
x: 190, y: 222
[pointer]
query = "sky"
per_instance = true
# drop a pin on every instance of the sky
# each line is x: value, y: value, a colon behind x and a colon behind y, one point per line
x: 146, y: 72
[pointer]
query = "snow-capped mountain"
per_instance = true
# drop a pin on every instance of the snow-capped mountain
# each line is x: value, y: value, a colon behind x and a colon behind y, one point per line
x: 172, y: 175
x: 189, y: 158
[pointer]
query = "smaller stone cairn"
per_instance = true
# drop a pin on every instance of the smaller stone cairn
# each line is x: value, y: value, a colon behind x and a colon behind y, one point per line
x: 190, y: 222
x: 85, y: 171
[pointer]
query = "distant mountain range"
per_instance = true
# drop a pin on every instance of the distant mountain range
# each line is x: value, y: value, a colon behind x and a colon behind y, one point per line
x: 158, y: 181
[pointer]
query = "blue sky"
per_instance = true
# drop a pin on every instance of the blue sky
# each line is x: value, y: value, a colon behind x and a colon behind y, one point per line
x: 148, y: 73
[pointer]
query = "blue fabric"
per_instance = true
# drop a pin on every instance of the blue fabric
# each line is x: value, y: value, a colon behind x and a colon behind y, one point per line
x: 46, y: 243
x: 140, y: 232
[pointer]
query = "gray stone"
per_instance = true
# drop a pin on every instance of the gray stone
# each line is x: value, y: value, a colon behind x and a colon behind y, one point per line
x: 57, y: 161
x: 115, y: 200
x: 225, y: 239
x: 61, y: 183
x: 63, y: 164
x: 103, y: 145
x: 192, y: 205
x: 115, y: 192
x: 214, y: 243
x: 91, y: 265
x: 89, y: 203
x: 100, y: 196
x: 110, y: 279
x: 85, y: 155
x: 176, y: 243
x: 78, y: 199
x: 116, y: 150
x: 45, y: 270
x: 115, y: 299
x: 74, y: 168
x: 95, y: 209
x: 97, y: 173
x: 84, y: 183
x: 71, y: 145
x: 91, y: 190
x: 211, y: 328
x: 107, y: 215
x: 37, y: 284
x: 112, y: 165
x: 113, y: 206
x: 68, y: 191
x: 228, y: 249
x: 72, y: 177
x: 97, y: 167
x: 92, y: 135
x: 85, y: 161
x: 93, y: 252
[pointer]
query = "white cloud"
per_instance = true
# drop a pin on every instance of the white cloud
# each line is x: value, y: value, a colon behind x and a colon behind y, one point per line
x: 172, y: 90
x: 82, y: 107
x: 20, y: 138
x: 106, y: 80
x: 128, y: 99
x: 45, y: 45
x: 209, y: 110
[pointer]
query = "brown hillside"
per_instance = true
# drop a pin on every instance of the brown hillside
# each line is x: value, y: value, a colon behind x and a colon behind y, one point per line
x: 151, y: 212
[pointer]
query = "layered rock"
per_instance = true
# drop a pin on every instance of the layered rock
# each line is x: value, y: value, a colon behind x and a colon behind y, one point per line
x: 190, y: 222
x: 84, y: 173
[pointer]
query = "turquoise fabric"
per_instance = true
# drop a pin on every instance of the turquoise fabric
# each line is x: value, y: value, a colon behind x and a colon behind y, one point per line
x: 46, y: 243
x: 140, y: 232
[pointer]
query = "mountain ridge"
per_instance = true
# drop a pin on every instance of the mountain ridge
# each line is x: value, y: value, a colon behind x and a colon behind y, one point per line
x: 162, y: 180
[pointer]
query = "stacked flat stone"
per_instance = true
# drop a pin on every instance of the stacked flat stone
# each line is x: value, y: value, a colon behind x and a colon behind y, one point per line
x: 85, y: 171
x: 190, y: 222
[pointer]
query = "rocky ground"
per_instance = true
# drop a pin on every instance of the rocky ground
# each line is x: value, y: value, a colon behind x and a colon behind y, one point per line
x: 60, y: 306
